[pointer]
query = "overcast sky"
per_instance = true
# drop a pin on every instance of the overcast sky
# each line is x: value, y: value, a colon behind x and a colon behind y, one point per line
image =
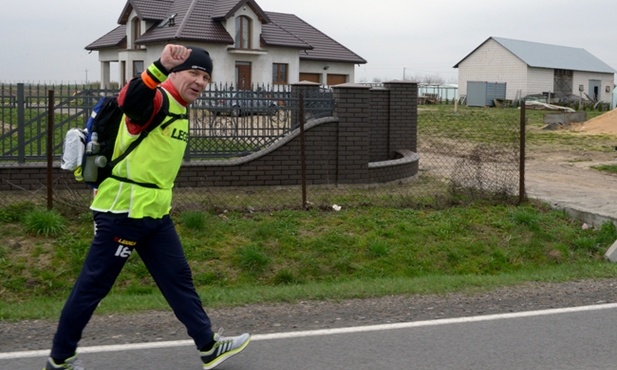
x: 45, y: 41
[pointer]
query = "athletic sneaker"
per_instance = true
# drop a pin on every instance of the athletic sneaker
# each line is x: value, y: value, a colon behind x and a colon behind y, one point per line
x: 224, y: 348
x: 71, y: 363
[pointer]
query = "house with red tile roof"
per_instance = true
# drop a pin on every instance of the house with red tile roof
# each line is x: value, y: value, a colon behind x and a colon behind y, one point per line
x: 249, y: 46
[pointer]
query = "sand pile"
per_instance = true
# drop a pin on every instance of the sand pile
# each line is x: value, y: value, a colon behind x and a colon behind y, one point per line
x: 602, y: 124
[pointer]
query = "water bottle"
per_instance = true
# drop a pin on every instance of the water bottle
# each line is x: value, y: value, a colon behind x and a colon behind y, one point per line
x: 91, y: 170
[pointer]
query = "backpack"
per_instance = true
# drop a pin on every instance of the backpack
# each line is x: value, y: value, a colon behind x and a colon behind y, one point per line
x: 88, y: 151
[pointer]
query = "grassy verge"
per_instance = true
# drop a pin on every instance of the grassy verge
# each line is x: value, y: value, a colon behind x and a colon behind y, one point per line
x: 216, y: 297
x: 284, y: 256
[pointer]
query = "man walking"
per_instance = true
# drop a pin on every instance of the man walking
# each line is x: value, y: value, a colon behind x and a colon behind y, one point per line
x: 131, y: 210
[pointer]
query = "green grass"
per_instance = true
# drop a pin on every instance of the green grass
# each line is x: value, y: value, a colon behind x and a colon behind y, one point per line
x: 609, y: 168
x: 500, y: 127
x: 408, y: 247
x: 242, y: 258
x: 48, y: 223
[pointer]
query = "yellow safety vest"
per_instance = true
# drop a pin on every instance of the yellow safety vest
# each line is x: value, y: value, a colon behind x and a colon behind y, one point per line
x: 156, y: 160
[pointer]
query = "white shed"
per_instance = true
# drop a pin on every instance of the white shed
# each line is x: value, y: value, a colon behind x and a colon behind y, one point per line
x: 529, y: 68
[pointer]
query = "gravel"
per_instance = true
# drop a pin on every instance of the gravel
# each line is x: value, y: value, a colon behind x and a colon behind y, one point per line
x: 310, y: 315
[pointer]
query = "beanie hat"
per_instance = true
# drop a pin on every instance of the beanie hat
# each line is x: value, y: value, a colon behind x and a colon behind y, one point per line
x: 198, y: 59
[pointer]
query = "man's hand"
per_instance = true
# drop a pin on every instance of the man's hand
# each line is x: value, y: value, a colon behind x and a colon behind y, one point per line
x: 174, y: 55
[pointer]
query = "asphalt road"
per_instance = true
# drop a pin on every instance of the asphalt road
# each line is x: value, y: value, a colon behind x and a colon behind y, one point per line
x: 569, y: 338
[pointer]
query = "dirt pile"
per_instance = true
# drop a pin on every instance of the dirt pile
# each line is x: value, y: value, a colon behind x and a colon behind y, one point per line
x: 602, y: 124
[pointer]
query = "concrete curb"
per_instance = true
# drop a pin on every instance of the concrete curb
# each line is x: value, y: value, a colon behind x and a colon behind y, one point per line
x: 593, y: 220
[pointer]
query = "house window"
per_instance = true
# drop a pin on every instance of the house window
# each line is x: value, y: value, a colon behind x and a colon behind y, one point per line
x: 136, y: 31
x: 138, y: 67
x: 243, y: 32
x: 279, y: 73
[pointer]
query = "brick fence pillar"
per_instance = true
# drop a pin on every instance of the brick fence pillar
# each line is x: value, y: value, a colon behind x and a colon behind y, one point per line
x: 403, y: 115
x: 379, y: 130
x: 353, y: 111
x: 309, y: 89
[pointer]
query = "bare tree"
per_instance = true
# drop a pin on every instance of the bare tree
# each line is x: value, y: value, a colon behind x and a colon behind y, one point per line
x: 434, y: 79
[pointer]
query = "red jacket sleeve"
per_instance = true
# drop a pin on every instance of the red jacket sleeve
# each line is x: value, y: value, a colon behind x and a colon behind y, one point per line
x: 140, y: 102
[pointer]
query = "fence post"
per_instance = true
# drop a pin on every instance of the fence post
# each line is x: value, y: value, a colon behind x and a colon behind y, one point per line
x: 50, y: 148
x: 21, y: 124
x: 522, y: 196
x: 302, y: 148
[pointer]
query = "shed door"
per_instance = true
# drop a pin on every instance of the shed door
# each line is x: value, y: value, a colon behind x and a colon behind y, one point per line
x: 482, y: 94
x: 476, y: 94
x: 311, y: 77
x: 594, y: 89
x: 494, y: 91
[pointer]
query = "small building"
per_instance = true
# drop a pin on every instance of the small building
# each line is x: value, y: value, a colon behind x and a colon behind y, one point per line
x: 530, y: 68
x: 247, y: 44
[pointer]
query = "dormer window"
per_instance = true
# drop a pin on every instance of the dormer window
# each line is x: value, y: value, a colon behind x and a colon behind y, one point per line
x: 243, y: 32
x: 135, y: 32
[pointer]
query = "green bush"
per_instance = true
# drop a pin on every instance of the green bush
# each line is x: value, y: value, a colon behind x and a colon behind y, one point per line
x: 43, y: 222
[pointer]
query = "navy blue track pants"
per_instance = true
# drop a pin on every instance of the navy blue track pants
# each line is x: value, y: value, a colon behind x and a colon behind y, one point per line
x: 157, y: 243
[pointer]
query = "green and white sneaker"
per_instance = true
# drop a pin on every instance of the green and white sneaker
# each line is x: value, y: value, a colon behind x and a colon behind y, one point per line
x: 224, y: 348
x: 71, y: 363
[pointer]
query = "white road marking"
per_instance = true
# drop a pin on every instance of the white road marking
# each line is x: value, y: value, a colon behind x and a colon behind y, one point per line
x: 321, y: 332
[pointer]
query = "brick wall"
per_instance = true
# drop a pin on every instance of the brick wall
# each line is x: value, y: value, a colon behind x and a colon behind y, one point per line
x: 371, y: 139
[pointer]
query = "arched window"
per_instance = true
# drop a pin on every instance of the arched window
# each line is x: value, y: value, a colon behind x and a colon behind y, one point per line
x: 243, y: 32
x: 135, y: 32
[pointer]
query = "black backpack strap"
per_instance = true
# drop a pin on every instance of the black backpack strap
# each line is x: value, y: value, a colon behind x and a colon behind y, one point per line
x: 174, y: 117
x: 156, y: 121
x: 144, y: 184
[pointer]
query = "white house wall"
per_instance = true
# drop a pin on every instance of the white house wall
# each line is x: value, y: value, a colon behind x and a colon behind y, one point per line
x: 225, y: 62
x: 261, y: 64
x: 582, y: 78
x: 491, y: 62
x: 539, y: 81
x: 106, y: 58
x: 325, y: 68
x: 542, y: 80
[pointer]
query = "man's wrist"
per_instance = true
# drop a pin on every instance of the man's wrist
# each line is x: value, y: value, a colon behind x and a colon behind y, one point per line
x: 155, y: 74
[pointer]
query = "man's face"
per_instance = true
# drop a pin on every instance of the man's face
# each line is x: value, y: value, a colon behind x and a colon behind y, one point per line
x: 190, y: 83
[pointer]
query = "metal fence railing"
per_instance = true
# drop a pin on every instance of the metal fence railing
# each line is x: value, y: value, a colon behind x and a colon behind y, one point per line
x: 224, y: 122
x: 464, y: 155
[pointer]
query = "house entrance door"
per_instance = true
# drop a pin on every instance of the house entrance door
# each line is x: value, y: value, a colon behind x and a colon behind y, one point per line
x: 243, y: 75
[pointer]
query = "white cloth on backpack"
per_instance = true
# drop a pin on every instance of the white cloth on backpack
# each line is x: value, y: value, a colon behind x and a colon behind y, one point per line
x: 73, y: 149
